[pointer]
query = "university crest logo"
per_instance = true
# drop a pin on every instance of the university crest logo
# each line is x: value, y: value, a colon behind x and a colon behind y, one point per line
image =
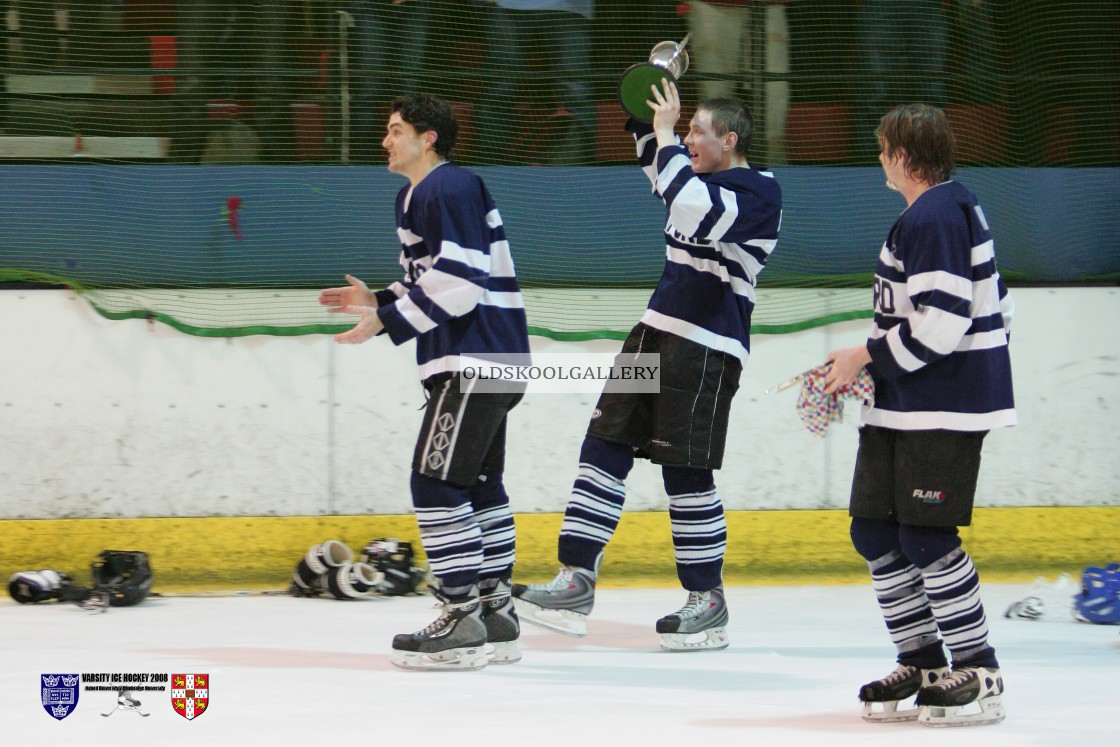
x: 60, y: 694
x: 190, y: 694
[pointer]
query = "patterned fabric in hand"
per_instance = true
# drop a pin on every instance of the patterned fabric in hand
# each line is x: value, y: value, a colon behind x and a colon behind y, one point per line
x: 817, y: 409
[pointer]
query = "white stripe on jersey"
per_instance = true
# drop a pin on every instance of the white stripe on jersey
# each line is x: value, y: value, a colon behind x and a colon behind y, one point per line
x: 730, y: 213
x: 746, y: 260
x: 398, y: 289
x: 939, y: 280
x: 665, y: 177
x: 407, y: 237
x: 439, y: 365
x: 451, y: 293
x: 696, y: 334
x: 476, y: 259
x: 887, y: 258
x: 691, y: 205
x: 953, y: 421
x: 738, y: 286
x: 982, y: 253
x: 986, y: 297
x: 414, y: 316
x: 902, y: 356
x: 501, y: 260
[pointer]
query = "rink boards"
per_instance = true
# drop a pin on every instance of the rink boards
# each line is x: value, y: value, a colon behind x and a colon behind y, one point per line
x: 792, y: 546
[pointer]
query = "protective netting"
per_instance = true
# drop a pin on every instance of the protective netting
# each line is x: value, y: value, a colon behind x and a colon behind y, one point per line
x: 211, y: 163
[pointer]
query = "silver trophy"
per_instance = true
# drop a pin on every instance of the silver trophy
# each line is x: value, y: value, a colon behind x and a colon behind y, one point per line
x: 667, y: 59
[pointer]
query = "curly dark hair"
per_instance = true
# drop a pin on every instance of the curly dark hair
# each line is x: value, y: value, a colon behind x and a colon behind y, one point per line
x: 924, y: 133
x: 426, y: 113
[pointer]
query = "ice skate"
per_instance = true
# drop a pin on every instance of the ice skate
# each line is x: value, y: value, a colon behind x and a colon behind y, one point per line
x: 904, y: 682
x: 700, y: 625
x: 563, y: 604
x: 456, y: 641
x: 502, y: 626
x: 969, y: 696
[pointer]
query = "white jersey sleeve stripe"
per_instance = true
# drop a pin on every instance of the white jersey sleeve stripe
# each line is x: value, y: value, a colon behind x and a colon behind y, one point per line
x: 675, y: 165
x: 476, y: 259
x: 452, y: 294
x: 730, y: 214
x: 940, y: 331
x: 414, y: 316
x: 939, y: 281
x: 902, y: 356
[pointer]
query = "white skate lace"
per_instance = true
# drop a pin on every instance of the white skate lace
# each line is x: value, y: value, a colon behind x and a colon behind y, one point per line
x: 955, y: 678
x: 900, y: 673
x: 560, y: 583
x: 695, y: 606
x: 445, y: 608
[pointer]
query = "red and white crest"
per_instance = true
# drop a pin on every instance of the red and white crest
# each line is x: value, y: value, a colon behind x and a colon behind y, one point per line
x: 190, y: 694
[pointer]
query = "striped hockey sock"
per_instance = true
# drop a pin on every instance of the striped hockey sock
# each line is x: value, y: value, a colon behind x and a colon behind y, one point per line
x: 595, y: 506
x: 699, y: 538
x: 450, y: 532
x: 498, y: 533
x: 953, y: 587
x: 906, y: 609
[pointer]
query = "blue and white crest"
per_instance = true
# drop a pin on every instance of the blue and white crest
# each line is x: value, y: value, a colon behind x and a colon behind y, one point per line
x: 60, y: 694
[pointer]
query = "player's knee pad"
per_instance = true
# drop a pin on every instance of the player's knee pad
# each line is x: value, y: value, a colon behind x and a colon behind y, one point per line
x: 686, y: 480
x: 317, y: 563
x: 874, y: 538
x: 924, y: 546
x: 489, y: 492
x: 615, y: 459
x: 30, y: 587
x: 428, y: 492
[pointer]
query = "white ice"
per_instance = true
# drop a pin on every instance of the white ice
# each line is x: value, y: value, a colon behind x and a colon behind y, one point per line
x: 288, y: 671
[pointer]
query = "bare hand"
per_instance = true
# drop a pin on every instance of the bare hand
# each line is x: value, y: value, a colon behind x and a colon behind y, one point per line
x: 368, y: 327
x: 845, y: 367
x: 355, y: 294
x: 666, y: 105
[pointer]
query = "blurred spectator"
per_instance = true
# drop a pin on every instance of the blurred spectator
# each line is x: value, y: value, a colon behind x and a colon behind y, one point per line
x: 387, y: 54
x: 903, y: 44
x: 721, y: 45
x: 560, y: 30
x: 236, y: 52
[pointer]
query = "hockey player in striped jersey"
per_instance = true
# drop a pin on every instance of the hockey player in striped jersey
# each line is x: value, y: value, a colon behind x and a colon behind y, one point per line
x: 459, y: 296
x: 721, y: 226
x: 938, y: 353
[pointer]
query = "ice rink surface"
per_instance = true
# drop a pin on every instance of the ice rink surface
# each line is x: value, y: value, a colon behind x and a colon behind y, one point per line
x: 288, y: 671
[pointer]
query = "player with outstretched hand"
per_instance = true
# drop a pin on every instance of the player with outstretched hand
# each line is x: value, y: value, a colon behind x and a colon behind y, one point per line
x: 938, y: 354
x: 722, y: 224
x: 459, y: 296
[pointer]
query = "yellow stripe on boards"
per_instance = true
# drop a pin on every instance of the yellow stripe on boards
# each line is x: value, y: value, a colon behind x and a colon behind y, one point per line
x: 770, y: 547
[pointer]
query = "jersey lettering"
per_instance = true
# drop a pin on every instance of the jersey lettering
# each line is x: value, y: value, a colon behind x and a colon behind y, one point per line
x: 884, y: 296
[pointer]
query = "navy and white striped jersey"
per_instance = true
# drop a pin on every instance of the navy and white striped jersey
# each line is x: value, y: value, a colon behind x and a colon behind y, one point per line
x: 938, y: 345
x: 460, y: 293
x: 720, y: 230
